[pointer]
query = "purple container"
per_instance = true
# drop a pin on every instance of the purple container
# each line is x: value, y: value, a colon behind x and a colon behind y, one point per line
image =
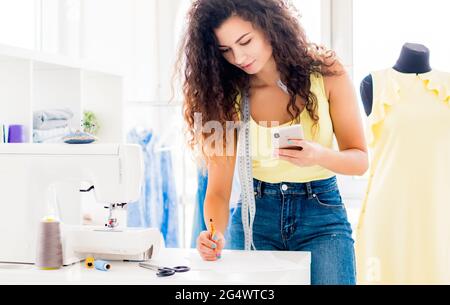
x: 16, y: 134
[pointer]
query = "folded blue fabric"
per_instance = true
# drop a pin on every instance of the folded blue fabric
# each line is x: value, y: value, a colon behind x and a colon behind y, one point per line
x: 52, y: 124
x: 57, y: 139
x: 42, y: 116
x: 40, y: 136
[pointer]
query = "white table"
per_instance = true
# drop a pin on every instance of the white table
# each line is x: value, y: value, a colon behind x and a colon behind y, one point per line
x: 235, y: 267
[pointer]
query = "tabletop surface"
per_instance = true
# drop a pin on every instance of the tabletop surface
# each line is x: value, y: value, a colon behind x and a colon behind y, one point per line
x: 234, y: 267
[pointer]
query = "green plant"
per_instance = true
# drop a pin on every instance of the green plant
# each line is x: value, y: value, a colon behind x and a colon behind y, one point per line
x: 90, y: 122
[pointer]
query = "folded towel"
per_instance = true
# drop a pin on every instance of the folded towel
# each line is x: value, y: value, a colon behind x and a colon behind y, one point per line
x: 42, y: 116
x: 52, y: 124
x: 40, y: 136
x: 58, y: 139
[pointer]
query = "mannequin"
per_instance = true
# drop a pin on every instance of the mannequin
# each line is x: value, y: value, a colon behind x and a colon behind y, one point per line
x: 414, y: 58
x: 403, y: 233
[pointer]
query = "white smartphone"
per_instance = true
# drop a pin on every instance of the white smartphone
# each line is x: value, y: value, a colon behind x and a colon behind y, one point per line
x: 281, y: 135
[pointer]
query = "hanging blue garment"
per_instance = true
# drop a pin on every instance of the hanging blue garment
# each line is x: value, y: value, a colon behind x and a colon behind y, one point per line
x: 137, y: 210
x: 157, y: 206
x: 169, y: 225
x: 199, y: 224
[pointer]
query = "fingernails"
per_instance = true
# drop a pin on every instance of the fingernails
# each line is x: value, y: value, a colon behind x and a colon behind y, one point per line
x: 290, y: 142
x: 219, y: 255
x: 214, y: 237
x: 213, y: 246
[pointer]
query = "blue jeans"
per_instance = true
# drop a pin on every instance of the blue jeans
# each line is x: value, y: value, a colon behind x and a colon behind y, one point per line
x: 302, y: 217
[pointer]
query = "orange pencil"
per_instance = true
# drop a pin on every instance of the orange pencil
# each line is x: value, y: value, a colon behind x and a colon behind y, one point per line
x: 213, y: 230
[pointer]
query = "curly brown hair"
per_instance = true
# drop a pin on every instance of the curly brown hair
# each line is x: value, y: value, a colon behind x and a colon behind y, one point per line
x: 211, y: 85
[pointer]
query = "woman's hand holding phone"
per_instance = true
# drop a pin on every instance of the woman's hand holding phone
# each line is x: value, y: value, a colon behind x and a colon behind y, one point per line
x: 282, y: 135
x: 289, y: 145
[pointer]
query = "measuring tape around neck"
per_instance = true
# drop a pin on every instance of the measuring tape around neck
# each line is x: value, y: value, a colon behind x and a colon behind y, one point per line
x: 246, y: 175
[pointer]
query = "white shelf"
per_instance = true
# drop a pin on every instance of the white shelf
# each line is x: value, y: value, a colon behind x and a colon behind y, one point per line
x: 31, y: 81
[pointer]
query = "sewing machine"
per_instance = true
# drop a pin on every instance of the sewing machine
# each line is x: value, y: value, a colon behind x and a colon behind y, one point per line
x: 114, y: 174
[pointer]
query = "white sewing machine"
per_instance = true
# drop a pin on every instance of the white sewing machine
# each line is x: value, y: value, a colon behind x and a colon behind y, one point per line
x: 115, y: 174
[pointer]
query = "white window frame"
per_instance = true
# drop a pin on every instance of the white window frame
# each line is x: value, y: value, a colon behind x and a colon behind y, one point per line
x: 341, y: 41
x: 341, y: 37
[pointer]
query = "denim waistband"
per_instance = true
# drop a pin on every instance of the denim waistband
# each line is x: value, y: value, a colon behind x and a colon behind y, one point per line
x: 295, y: 188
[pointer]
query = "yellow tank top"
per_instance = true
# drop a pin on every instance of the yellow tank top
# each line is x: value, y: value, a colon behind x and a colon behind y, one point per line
x: 273, y: 170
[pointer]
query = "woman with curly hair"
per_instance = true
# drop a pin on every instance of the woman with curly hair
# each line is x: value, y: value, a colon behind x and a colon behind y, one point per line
x: 256, y: 52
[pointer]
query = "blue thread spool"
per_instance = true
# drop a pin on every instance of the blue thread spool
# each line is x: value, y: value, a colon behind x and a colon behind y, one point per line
x: 102, y: 265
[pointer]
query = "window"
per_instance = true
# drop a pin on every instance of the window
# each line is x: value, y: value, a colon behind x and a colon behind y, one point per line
x: 60, y: 26
x: 382, y: 27
x: 310, y: 18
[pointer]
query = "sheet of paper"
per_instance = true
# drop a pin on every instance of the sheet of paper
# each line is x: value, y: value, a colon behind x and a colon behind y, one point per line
x: 244, y: 262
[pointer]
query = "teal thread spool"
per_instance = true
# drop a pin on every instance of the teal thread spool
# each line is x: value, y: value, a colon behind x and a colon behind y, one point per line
x: 102, y: 265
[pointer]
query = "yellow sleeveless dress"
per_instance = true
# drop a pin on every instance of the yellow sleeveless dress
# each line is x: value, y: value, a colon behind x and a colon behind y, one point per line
x: 403, y: 234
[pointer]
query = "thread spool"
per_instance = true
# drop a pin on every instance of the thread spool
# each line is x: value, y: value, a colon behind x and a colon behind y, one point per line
x: 102, y: 265
x: 49, y: 248
x: 89, y: 262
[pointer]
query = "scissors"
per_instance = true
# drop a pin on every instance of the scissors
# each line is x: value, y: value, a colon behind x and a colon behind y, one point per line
x: 164, y: 271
